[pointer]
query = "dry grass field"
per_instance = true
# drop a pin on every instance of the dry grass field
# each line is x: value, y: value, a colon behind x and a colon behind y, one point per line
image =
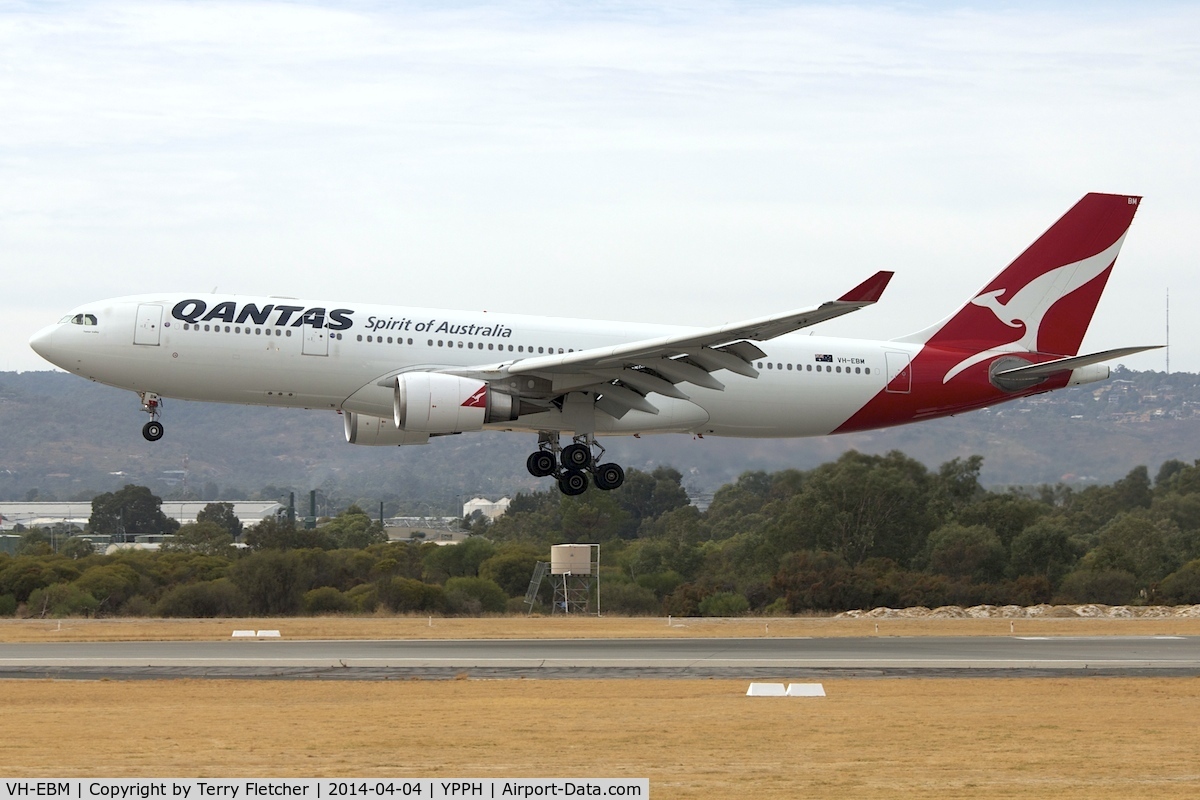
x: 960, y: 738
x: 908, y: 738
x: 385, y: 627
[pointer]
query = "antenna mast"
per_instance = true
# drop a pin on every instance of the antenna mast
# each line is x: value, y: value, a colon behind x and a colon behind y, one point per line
x: 1168, y: 347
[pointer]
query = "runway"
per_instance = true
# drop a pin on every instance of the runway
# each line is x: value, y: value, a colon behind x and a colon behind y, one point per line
x: 608, y: 658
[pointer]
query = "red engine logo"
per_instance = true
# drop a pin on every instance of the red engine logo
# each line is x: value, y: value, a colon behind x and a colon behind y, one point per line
x: 477, y: 400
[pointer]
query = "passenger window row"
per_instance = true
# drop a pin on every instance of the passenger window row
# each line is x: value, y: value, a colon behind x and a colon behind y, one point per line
x: 520, y: 348
x: 195, y: 326
x: 773, y: 365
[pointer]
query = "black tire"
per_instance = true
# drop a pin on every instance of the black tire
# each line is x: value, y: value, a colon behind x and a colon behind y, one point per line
x: 608, y: 476
x: 576, y: 456
x: 573, y: 482
x: 153, y: 431
x: 540, y: 464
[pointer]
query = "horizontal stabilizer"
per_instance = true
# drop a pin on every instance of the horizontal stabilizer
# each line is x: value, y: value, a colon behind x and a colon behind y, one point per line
x: 1048, y: 368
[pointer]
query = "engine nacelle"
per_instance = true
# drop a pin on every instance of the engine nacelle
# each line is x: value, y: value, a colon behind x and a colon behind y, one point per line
x: 1088, y: 374
x: 432, y: 403
x: 361, y: 429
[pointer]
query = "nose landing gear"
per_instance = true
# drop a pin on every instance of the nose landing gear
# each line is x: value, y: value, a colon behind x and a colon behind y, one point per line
x: 152, y: 405
x: 570, y: 465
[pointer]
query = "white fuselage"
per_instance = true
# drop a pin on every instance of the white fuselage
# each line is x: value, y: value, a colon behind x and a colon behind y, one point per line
x: 345, y: 356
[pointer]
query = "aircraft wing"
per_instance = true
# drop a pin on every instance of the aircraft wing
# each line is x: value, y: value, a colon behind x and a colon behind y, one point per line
x: 622, y: 375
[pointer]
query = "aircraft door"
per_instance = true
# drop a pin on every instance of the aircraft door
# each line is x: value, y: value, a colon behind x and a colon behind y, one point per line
x: 899, y: 373
x: 149, y: 324
x: 316, y: 341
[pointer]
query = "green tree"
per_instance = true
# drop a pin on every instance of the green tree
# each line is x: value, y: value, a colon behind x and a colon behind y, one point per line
x: 282, y: 534
x: 131, y: 510
x: 60, y: 600
x: 648, y: 495
x: 21, y: 575
x: 1112, y: 587
x: 475, y: 595
x: 110, y: 584
x: 1007, y: 514
x: 201, y: 537
x: 221, y: 514
x: 464, y: 559
x: 218, y: 598
x: 860, y: 506
x: 592, y: 517
x: 76, y: 547
x: 724, y: 604
x: 974, y: 552
x: 407, y: 595
x: 1044, y: 548
x: 326, y: 600
x: 1182, y: 587
x: 629, y: 598
x: 512, y: 568
x: 354, y: 529
x: 1137, y: 545
x: 272, y: 583
x: 959, y: 480
x: 34, y: 542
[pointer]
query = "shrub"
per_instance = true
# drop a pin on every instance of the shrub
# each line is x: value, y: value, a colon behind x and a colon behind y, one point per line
x: 8, y: 605
x: 61, y: 600
x: 629, y: 598
x: 684, y: 601
x: 364, y: 597
x: 218, y: 598
x: 406, y: 594
x: 724, y: 604
x: 138, y: 606
x: 273, y: 582
x: 776, y: 609
x: 326, y: 600
x: 1112, y: 587
x: 486, y: 594
x: 111, y: 584
x: 974, y: 552
x: 1182, y: 587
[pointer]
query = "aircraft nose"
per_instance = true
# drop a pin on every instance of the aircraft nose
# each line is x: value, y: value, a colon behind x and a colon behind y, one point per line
x: 43, y: 344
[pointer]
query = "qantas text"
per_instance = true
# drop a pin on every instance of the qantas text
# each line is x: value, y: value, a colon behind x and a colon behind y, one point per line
x: 194, y: 311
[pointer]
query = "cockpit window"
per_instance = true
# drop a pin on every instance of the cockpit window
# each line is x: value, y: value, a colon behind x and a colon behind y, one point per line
x: 81, y: 319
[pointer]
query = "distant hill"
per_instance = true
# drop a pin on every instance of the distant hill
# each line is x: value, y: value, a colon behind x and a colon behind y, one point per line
x: 67, y: 438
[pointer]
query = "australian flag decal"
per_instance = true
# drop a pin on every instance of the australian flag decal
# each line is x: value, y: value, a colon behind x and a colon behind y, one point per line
x: 827, y: 358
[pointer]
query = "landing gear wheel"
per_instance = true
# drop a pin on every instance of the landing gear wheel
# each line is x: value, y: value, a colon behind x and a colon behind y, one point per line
x: 608, y: 476
x: 576, y: 456
x: 153, y: 431
x: 540, y: 464
x: 572, y: 482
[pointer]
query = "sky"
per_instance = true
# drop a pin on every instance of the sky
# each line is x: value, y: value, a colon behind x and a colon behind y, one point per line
x: 687, y: 163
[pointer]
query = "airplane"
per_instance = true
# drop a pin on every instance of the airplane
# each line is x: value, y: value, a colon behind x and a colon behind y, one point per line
x: 401, y: 375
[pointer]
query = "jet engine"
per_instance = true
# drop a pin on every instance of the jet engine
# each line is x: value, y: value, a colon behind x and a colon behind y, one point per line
x: 362, y: 429
x: 433, y: 403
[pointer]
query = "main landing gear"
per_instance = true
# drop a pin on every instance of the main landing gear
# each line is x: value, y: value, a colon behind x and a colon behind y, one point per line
x: 152, y: 405
x: 571, y: 465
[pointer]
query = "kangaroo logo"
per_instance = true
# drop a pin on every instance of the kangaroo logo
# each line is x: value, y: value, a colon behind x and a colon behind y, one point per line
x: 477, y: 400
x: 1025, y: 310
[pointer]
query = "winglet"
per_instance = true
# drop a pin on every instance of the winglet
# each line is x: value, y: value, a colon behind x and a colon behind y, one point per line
x: 870, y: 290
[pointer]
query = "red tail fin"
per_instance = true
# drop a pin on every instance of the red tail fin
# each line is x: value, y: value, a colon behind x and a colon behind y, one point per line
x: 1044, y: 300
